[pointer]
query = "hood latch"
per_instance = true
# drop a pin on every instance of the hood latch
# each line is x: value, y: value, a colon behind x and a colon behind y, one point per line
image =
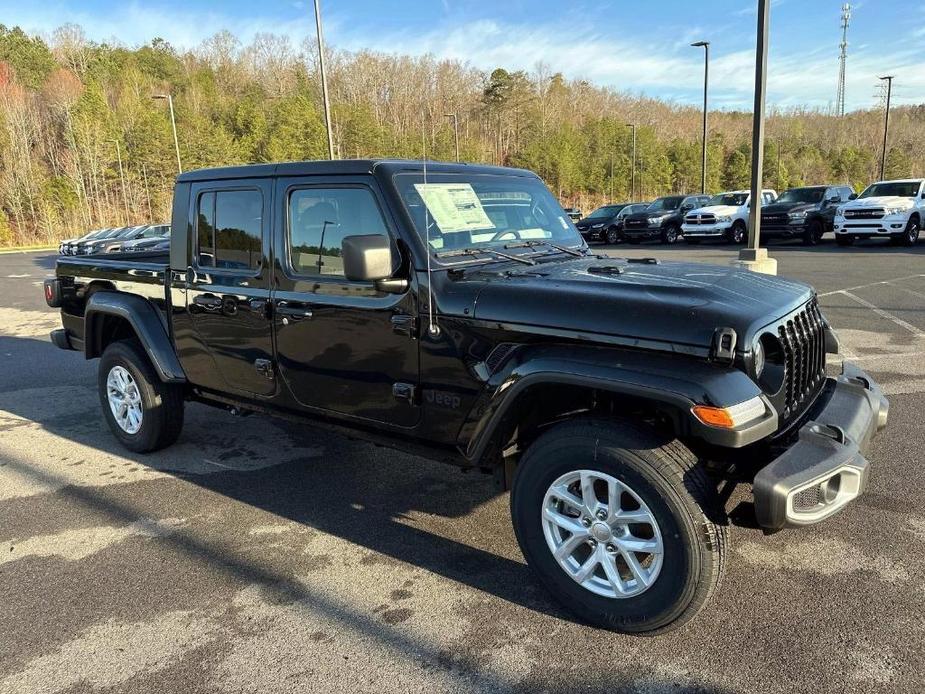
x: 723, y: 349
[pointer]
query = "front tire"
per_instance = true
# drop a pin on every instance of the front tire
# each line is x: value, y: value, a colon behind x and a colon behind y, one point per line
x: 911, y: 235
x: 612, y: 236
x: 621, y: 525
x: 737, y: 233
x: 813, y: 234
x: 142, y: 411
x: 670, y: 234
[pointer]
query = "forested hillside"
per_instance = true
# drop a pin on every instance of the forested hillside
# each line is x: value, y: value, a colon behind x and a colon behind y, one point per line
x: 66, y: 102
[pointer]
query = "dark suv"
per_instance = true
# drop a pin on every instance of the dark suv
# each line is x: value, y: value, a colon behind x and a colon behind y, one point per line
x: 662, y: 219
x: 806, y: 213
x: 606, y: 223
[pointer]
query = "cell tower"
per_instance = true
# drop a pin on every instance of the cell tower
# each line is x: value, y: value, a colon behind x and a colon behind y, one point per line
x: 842, y: 59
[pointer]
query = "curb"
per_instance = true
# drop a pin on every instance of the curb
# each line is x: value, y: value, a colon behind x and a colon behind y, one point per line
x: 27, y: 249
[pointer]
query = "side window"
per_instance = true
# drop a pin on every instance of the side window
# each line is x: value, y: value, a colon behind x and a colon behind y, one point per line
x: 228, y: 229
x: 846, y: 194
x: 320, y: 218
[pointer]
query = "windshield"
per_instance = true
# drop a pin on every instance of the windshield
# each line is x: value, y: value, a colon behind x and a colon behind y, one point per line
x: 899, y: 189
x: 810, y: 195
x: 665, y: 204
x: 605, y: 211
x: 733, y: 199
x: 632, y: 209
x: 484, y: 211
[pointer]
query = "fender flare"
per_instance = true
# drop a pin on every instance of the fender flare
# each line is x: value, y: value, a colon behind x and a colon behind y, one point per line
x: 145, y: 321
x: 673, y: 382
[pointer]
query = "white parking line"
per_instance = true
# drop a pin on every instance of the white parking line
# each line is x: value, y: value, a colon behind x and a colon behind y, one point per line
x: 907, y: 290
x: 883, y: 314
x: 871, y: 284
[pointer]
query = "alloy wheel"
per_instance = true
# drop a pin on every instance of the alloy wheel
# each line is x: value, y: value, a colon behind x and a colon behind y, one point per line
x: 124, y: 399
x: 602, y: 534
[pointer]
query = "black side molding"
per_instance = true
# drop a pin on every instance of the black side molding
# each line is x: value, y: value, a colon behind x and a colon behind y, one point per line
x: 146, y: 323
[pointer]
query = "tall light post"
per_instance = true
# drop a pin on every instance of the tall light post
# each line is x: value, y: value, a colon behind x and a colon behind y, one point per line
x: 633, y: 175
x: 706, y: 80
x: 779, y: 184
x: 753, y: 257
x: 173, y: 123
x: 122, y: 179
x: 886, y: 122
x: 455, y: 118
x: 324, y: 80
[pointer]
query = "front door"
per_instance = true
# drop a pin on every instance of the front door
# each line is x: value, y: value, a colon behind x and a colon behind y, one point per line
x: 228, y: 285
x: 344, y: 347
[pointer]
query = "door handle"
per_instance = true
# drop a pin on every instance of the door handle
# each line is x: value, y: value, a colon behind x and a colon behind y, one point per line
x: 296, y: 311
x: 208, y: 302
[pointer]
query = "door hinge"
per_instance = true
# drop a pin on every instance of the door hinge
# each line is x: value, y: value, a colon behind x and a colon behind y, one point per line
x: 403, y: 324
x: 264, y: 368
x: 404, y: 391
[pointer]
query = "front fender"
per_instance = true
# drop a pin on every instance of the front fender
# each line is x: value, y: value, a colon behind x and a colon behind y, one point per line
x: 146, y: 323
x: 672, y: 382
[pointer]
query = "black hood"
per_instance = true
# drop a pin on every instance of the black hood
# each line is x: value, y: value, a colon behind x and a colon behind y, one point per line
x: 779, y: 207
x: 676, y: 303
x: 650, y: 214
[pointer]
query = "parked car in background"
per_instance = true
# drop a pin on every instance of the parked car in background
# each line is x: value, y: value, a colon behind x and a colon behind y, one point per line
x: 662, y: 219
x: 149, y: 237
x: 126, y: 234
x: 82, y: 245
x: 807, y: 212
x: 606, y: 223
x: 573, y: 213
x: 887, y: 209
x: 68, y: 246
x: 725, y: 216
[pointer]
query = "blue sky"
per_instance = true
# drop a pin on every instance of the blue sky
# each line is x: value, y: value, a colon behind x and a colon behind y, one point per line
x: 629, y: 45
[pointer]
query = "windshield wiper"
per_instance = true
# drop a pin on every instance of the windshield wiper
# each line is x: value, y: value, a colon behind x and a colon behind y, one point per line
x: 534, y: 244
x: 474, y: 252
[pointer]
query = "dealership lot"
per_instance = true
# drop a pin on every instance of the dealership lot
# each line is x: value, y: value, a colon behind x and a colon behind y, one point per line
x: 261, y: 555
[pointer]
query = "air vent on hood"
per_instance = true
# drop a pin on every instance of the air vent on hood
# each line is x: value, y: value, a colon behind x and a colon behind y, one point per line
x: 606, y: 270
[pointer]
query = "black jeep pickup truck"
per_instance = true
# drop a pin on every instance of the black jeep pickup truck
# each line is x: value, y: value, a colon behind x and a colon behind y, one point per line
x: 806, y: 213
x: 662, y: 219
x: 454, y: 311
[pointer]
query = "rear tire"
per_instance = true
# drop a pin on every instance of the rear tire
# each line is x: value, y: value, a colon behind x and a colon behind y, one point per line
x: 127, y: 377
x: 664, y: 480
x: 843, y: 240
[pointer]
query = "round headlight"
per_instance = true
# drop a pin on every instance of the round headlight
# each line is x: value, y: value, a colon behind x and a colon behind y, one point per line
x: 769, y: 363
x: 759, y: 359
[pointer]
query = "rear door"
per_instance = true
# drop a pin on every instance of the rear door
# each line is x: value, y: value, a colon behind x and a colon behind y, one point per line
x: 343, y: 346
x: 228, y: 285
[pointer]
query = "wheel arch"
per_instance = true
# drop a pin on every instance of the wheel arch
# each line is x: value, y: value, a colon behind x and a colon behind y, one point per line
x: 111, y: 316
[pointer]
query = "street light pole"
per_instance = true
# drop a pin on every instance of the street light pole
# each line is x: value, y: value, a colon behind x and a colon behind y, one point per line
x: 173, y: 124
x: 324, y: 80
x: 753, y: 257
x: 779, y: 185
x: 886, y: 123
x: 633, y: 186
x: 122, y: 179
x: 455, y: 118
x: 706, y: 80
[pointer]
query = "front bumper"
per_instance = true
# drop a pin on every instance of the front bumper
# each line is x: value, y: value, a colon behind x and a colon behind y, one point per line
x: 706, y: 230
x: 884, y: 226
x: 642, y: 232
x: 826, y: 468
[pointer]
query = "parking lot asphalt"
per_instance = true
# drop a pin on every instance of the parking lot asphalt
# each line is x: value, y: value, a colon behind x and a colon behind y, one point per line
x: 259, y: 555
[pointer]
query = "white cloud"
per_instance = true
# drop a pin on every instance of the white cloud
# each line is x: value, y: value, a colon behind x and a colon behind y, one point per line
x: 802, y: 75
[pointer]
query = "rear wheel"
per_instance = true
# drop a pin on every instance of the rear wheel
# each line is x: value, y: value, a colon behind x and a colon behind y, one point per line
x: 142, y: 411
x: 622, y: 526
x: 670, y: 234
x: 737, y: 233
x: 813, y: 234
x: 844, y: 239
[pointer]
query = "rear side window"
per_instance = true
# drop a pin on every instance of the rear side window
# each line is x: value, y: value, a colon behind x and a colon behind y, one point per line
x: 228, y: 229
x: 320, y: 218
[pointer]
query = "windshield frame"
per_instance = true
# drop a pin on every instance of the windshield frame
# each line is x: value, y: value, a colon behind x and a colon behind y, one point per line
x: 443, y: 256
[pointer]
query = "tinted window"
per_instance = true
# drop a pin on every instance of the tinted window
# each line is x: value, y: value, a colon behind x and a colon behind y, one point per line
x: 901, y: 189
x: 228, y: 228
x: 320, y: 218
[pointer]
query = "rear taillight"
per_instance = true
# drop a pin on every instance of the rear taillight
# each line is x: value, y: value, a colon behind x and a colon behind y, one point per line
x: 53, y: 292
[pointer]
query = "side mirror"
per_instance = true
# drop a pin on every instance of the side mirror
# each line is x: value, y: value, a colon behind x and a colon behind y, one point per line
x: 833, y: 199
x: 367, y: 258
x: 854, y: 196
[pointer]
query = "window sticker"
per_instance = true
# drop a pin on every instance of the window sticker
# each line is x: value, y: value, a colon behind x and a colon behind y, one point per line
x: 454, y: 206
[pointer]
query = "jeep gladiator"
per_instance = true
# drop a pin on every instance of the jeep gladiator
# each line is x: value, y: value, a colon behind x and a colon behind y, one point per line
x: 454, y: 311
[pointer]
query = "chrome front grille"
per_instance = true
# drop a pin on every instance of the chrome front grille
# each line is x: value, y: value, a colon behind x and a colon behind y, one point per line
x: 697, y: 219
x: 802, y: 336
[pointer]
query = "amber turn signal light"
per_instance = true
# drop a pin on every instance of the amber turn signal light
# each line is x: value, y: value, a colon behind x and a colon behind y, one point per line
x: 714, y: 416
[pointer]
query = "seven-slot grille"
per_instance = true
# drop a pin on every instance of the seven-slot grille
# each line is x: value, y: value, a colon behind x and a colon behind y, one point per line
x: 872, y: 213
x: 802, y: 336
x: 695, y: 219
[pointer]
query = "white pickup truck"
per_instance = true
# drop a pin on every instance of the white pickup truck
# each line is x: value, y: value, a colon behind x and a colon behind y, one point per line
x: 724, y: 217
x: 888, y: 209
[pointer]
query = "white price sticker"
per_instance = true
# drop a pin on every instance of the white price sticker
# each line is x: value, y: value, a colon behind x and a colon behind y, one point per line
x: 454, y: 206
